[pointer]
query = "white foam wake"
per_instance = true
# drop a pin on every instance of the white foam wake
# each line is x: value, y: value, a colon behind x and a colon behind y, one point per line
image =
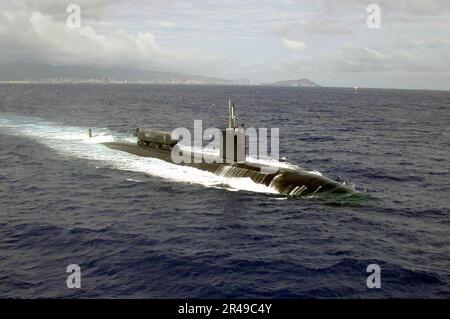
x: 75, y: 142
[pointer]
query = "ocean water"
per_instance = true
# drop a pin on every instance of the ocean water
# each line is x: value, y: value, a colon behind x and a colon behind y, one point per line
x: 143, y: 228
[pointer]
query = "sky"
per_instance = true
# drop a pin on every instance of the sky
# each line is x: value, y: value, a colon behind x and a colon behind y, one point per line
x: 326, y: 41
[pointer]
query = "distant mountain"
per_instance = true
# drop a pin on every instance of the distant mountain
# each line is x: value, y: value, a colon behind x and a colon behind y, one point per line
x: 31, y: 72
x: 48, y: 73
x: 299, y: 83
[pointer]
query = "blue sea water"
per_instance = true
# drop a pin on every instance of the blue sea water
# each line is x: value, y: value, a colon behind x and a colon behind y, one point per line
x: 144, y: 228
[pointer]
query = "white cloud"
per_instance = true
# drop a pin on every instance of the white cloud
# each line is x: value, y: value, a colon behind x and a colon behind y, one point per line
x: 167, y: 24
x: 29, y: 35
x: 355, y: 59
x: 296, y: 46
x: 389, y: 7
x: 327, y: 26
x: 92, y: 9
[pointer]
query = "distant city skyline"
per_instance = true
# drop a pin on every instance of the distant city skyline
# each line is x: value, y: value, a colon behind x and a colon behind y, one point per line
x: 47, y: 73
x: 326, y: 41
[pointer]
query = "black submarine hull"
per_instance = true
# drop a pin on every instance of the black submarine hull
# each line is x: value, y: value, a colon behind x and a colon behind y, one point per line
x: 292, y: 182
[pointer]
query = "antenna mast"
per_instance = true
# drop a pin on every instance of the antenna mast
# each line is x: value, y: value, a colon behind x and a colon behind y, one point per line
x: 231, y: 115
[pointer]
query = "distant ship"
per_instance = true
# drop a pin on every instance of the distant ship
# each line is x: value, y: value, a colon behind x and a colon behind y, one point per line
x: 286, y: 180
x: 355, y: 88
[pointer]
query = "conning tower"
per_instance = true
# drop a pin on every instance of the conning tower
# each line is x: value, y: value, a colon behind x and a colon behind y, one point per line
x: 233, y: 142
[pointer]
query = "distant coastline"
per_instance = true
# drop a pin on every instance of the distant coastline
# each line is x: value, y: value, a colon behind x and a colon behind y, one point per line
x: 60, y: 74
x: 30, y: 73
x: 112, y: 81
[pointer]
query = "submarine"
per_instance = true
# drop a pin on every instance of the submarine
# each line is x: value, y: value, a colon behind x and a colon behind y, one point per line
x: 232, y: 161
